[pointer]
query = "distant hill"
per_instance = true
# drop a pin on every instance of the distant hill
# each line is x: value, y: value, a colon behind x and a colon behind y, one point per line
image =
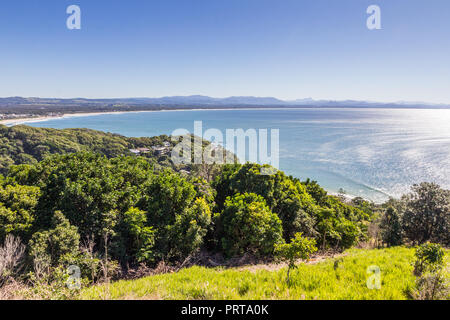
x: 19, y: 108
x: 197, y: 101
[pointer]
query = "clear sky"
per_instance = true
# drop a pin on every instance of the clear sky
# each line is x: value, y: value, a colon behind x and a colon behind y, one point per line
x: 283, y: 48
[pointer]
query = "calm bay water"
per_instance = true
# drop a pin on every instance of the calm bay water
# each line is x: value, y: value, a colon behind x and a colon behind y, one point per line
x: 373, y: 153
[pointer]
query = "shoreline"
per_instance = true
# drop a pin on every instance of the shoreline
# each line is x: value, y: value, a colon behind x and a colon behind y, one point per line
x: 20, y: 121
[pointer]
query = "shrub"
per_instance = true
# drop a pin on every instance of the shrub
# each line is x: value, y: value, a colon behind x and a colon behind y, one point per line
x: 248, y: 225
x: 349, y: 233
x: 429, y: 258
x: 431, y: 283
x: 432, y: 286
x: 89, y: 262
x: 53, y: 247
x: 52, y: 286
x: 17, y: 210
x: 11, y: 256
x: 298, y: 248
x: 334, y: 230
x: 139, y: 239
x: 190, y: 229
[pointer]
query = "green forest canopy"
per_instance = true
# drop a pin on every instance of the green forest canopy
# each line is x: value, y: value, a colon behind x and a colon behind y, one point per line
x: 62, y: 189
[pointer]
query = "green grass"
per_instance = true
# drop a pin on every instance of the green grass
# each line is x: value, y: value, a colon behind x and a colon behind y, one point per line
x: 338, y: 278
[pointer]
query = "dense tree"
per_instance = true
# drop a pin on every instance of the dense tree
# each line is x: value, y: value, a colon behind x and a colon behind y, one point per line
x: 204, y: 190
x: 29, y: 145
x: 298, y: 210
x: 86, y: 187
x: 391, y: 227
x: 427, y: 214
x: 136, y: 238
x: 363, y: 205
x: 92, y: 191
x: 285, y: 196
x: 248, y: 225
x: 105, y: 198
x: 316, y: 191
x: 56, y: 246
x: 72, y: 187
x: 190, y: 228
x: 350, y: 233
x: 179, y: 210
x: 17, y: 210
x: 335, y: 231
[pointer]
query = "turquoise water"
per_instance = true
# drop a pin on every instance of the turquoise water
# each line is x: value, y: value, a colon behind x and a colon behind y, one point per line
x: 373, y: 153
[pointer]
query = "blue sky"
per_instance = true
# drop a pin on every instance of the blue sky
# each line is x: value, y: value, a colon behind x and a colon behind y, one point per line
x: 283, y: 48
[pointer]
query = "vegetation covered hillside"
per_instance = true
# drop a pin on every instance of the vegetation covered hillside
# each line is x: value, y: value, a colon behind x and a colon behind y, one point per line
x: 110, y: 215
x: 82, y: 199
x: 29, y: 145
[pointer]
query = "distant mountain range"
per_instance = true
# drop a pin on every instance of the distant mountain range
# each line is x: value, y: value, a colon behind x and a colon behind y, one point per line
x: 199, y: 101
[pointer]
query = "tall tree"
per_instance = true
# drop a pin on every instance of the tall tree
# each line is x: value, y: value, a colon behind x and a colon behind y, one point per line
x: 427, y: 214
x: 391, y: 228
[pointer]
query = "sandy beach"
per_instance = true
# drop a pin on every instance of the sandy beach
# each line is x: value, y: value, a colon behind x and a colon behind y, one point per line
x: 18, y: 121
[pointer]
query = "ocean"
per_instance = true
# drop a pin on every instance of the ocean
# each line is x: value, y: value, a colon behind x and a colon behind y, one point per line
x: 372, y: 153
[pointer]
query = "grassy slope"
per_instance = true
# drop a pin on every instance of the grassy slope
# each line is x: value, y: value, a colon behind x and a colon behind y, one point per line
x: 312, y: 281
